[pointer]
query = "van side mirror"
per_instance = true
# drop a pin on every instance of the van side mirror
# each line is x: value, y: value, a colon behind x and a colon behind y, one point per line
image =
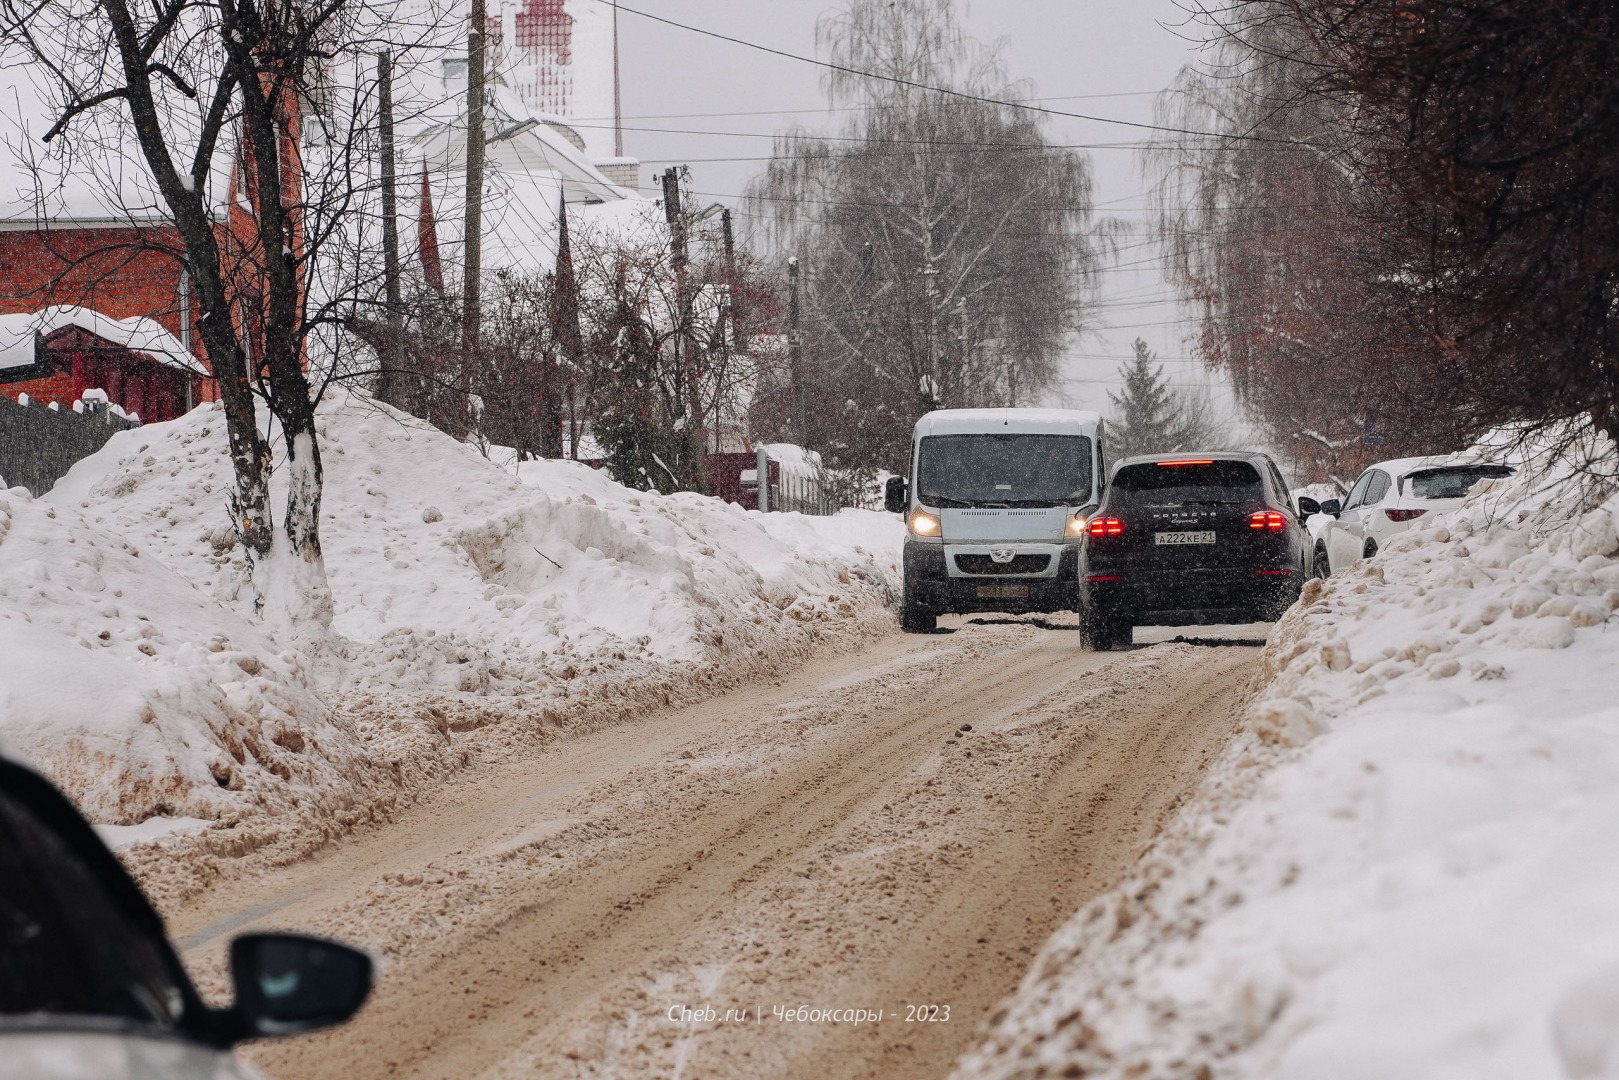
x: 1332, y: 507
x: 1308, y: 506
x: 287, y: 984
x: 896, y: 495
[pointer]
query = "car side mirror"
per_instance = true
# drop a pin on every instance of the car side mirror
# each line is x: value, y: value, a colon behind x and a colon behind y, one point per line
x: 287, y: 984
x: 896, y: 495
x: 1332, y: 507
x: 1308, y: 506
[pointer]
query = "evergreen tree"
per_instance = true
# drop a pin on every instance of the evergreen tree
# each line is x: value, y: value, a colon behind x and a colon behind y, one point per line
x: 1144, y: 418
x: 1151, y: 417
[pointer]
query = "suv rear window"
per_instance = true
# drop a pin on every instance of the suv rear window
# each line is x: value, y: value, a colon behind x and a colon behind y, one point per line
x: 1452, y: 482
x: 1151, y: 484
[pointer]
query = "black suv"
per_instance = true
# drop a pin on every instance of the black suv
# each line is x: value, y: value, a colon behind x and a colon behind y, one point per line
x: 1190, y: 539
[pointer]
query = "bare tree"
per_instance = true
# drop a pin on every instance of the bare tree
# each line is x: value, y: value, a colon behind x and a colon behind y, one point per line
x: 183, y: 96
x: 659, y: 360
x: 1406, y: 233
x: 944, y: 243
x: 1485, y: 133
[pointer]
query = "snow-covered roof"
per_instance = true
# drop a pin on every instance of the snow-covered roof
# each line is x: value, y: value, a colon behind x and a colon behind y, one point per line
x: 1033, y: 421
x: 96, y: 176
x: 146, y: 336
x: 794, y: 457
x: 519, y: 142
x: 531, y: 167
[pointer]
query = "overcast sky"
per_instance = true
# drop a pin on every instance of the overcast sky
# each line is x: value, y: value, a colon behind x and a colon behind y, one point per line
x: 1102, y: 57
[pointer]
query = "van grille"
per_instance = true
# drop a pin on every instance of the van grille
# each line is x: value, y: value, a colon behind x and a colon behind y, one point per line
x: 1020, y: 564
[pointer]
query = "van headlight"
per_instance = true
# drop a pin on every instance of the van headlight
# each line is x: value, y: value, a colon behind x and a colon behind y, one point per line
x: 924, y: 523
x: 1076, y: 527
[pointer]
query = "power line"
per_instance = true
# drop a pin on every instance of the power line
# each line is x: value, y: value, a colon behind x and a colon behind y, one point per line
x: 1022, y: 106
x: 977, y: 144
x: 859, y: 108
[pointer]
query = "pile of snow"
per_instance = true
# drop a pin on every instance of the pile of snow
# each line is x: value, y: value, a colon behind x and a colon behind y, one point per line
x: 139, y: 694
x: 465, y: 595
x: 1405, y: 863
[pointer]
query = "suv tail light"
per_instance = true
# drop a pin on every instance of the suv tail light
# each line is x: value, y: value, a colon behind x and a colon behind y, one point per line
x: 1267, y: 521
x: 1105, y: 526
x: 1403, y: 515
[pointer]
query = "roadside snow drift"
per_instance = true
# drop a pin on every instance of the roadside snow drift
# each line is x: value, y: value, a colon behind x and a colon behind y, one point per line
x: 465, y: 595
x: 139, y: 694
x: 1406, y: 865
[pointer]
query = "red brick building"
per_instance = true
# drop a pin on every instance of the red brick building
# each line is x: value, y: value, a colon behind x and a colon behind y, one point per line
x: 118, y: 271
x: 57, y: 354
x: 128, y: 265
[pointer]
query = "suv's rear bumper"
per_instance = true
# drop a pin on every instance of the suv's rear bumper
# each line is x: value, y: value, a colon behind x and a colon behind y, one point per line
x: 929, y: 587
x: 1193, y: 596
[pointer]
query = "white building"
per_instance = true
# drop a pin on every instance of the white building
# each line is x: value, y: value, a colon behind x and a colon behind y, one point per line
x: 561, y: 58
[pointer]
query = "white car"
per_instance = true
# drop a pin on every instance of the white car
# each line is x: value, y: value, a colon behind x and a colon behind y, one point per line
x: 91, y: 988
x: 1387, y: 498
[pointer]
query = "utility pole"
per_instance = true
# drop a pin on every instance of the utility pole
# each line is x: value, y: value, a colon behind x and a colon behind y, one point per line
x: 471, y: 295
x: 618, y: 110
x: 733, y: 305
x: 390, y: 185
x: 729, y: 322
x: 930, y: 275
x: 686, y: 362
x: 795, y: 349
x: 388, y: 360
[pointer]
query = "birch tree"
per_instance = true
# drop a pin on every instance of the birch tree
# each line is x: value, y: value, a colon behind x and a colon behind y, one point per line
x: 944, y: 243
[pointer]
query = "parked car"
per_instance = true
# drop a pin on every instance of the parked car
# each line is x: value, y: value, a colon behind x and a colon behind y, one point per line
x: 1385, y: 500
x: 1190, y: 539
x: 995, y: 503
x: 90, y: 985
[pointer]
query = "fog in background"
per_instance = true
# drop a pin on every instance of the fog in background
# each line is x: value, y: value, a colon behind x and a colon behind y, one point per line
x: 1105, y: 58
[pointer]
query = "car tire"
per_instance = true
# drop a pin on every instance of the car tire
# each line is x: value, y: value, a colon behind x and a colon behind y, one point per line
x: 1101, y: 630
x: 1321, y: 563
x: 1370, y: 549
x: 913, y: 620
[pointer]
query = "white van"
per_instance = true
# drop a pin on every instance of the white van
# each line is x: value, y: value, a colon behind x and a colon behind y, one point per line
x: 996, y: 502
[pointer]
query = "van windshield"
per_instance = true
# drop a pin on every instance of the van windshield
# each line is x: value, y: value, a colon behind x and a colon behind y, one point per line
x: 1004, y: 470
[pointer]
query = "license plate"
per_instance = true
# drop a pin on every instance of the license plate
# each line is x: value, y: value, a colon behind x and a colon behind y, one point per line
x: 1003, y: 592
x: 1205, y: 536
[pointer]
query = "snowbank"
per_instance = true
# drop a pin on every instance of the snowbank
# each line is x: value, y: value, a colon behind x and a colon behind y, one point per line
x: 466, y: 596
x: 1405, y: 864
x: 137, y: 693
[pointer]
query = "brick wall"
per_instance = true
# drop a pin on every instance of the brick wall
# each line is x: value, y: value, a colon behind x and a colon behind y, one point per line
x: 58, y: 388
x: 118, y: 272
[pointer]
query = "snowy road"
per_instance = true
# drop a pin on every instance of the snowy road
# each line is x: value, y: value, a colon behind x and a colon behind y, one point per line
x: 836, y: 841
